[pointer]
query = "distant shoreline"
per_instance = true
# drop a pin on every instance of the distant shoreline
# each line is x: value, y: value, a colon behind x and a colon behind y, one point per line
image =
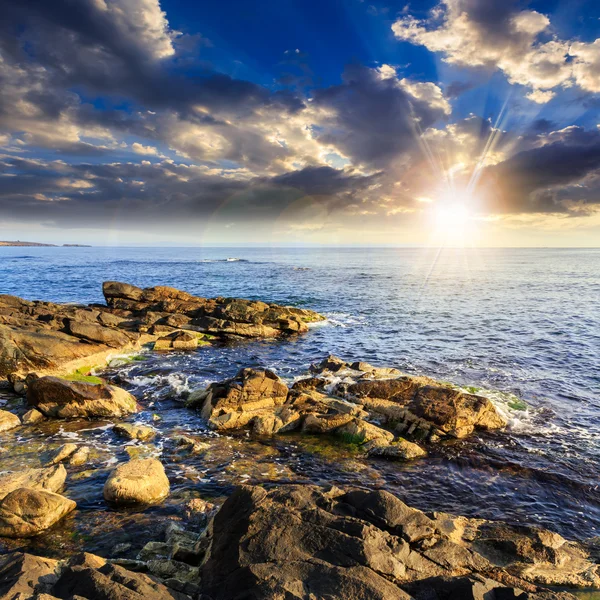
x: 38, y: 244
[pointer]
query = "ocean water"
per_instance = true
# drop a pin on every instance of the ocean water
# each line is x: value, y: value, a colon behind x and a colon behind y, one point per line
x: 523, y: 325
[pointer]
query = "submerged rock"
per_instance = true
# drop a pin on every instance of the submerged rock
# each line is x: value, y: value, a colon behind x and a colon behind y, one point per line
x: 60, y: 398
x: 8, y: 421
x: 311, y: 542
x: 51, y: 479
x: 26, y: 512
x: 139, y: 481
x: 131, y: 431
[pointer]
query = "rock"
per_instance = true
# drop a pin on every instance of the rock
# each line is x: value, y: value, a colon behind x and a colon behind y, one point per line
x: 455, y: 412
x: 32, y: 416
x: 108, y: 581
x: 314, y: 423
x: 362, y: 432
x: 308, y: 542
x: 235, y: 402
x: 80, y: 456
x: 115, y: 289
x: 331, y: 363
x: 21, y: 575
x: 39, y: 349
x: 56, y: 397
x: 8, y: 420
x: 179, y: 340
x: 189, y: 444
x: 139, y: 481
x: 401, y: 449
x: 27, y: 512
x: 62, y: 453
x: 97, y: 333
x: 132, y: 431
x: 51, y: 479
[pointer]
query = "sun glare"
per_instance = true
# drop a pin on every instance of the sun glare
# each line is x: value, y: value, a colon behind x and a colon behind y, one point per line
x: 453, y: 221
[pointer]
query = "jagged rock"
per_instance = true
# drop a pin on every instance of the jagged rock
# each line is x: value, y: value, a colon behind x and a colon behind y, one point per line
x: 51, y: 479
x: 91, y: 578
x: 139, y: 481
x: 32, y: 416
x: 56, y: 397
x: 62, y: 453
x: 309, y: 542
x: 132, y: 431
x: 235, y: 402
x: 8, y: 421
x: 22, y: 575
x: 26, y: 512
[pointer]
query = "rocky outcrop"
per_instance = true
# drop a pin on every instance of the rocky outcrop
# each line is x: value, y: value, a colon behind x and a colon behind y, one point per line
x: 60, y: 398
x: 139, y: 481
x: 308, y: 542
x: 51, y: 479
x: 24, y: 575
x: 27, y: 512
x: 366, y: 407
x: 44, y: 336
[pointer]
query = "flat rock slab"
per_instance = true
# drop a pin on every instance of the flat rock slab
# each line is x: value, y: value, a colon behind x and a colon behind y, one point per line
x: 61, y: 398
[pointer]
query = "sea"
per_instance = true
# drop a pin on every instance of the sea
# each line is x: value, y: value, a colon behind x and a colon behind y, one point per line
x: 521, y: 326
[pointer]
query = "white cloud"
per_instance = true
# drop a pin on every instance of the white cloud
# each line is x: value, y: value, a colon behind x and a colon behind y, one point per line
x: 146, y: 150
x: 510, y: 40
x: 540, y: 96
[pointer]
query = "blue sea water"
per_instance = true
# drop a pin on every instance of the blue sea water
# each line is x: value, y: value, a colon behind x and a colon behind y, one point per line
x: 519, y: 323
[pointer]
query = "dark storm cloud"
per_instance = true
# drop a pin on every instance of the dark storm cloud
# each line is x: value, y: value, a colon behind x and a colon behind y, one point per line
x: 83, y: 45
x: 548, y: 178
x: 374, y: 118
x: 70, y: 195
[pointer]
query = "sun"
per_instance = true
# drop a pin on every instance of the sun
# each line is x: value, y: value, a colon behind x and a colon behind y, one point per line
x: 453, y: 216
x: 453, y: 221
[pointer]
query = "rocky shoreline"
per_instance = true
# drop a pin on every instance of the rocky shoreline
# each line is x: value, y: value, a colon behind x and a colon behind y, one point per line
x: 279, y: 541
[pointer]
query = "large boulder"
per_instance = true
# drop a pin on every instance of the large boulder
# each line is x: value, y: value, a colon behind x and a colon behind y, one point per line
x: 56, y: 397
x: 139, y: 481
x: 309, y: 542
x: 27, y: 512
x: 51, y: 479
x: 8, y: 421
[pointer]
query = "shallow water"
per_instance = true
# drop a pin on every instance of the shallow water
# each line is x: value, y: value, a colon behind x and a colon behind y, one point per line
x: 521, y: 323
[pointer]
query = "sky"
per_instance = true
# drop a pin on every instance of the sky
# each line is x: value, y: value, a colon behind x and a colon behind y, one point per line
x: 300, y: 122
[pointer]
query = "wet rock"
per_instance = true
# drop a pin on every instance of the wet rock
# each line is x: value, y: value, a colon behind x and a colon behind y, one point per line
x: 62, y: 453
x: 22, y: 575
x: 32, y: 416
x: 197, y: 511
x: 139, y: 481
x: 305, y: 541
x: 332, y: 364
x: 131, y: 431
x: 400, y: 449
x: 27, y: 512
x: 8, y: 421
x: 51, y: 479
x: 362, y: 432
x: 80, y: 456
x: 60, y: 398
x: 188, y: 444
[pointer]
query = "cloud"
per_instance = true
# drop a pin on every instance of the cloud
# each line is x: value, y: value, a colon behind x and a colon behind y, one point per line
x: 497, y: 34
x: 561, y: 174
x: 375, y: 118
